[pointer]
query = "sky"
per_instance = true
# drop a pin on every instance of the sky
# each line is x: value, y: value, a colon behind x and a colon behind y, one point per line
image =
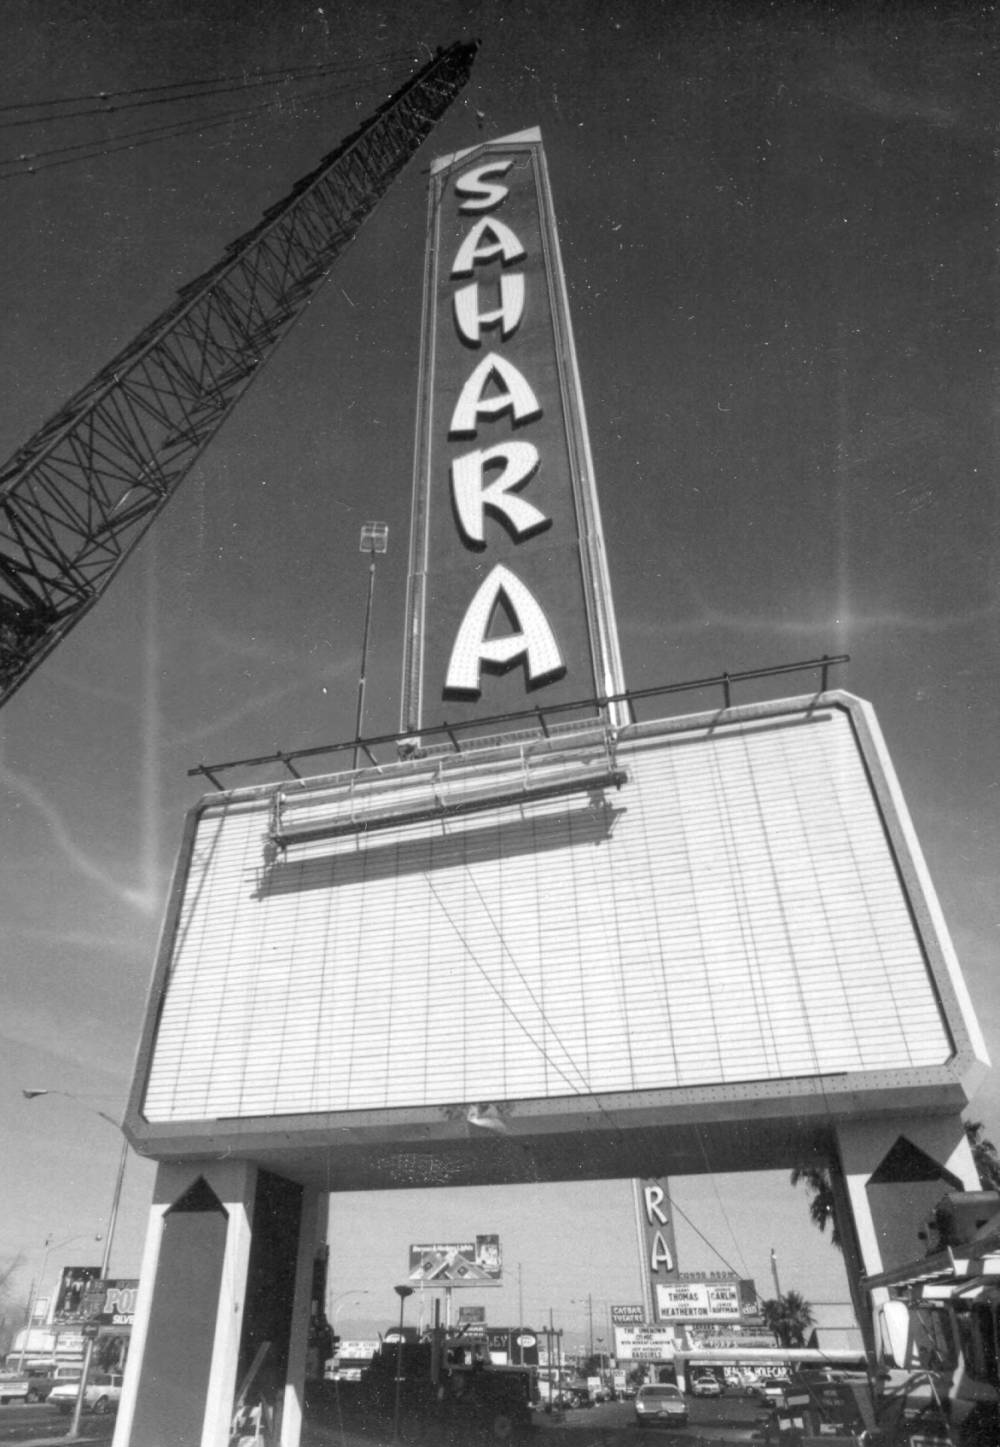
x: 778, y: 233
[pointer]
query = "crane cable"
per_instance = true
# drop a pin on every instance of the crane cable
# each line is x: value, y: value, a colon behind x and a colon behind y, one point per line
x: 213, y: 85
x: 29, y: 163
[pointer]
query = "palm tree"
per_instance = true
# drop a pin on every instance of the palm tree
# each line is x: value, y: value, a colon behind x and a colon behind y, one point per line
x: 817, y: 1180
x: 985, y: 1155
x: 789, y: 1316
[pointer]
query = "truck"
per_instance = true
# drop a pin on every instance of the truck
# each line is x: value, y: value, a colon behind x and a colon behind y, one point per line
x: 444, y: 1388
x: 936, y: 1378
x: 938, y: 1334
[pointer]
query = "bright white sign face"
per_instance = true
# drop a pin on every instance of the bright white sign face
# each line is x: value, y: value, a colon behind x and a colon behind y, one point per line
x: 698, y: 1301
x: 644, y: 1344
x: 446, y: 932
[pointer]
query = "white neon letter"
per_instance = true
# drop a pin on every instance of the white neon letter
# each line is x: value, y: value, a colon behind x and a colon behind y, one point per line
x: 473, y: 495
x: 482, y: 196
x: 486, y: 240
x: 534, y: 641
x: 654, y: 1195
x: 469, y: 319
x: 516, y: 398
x: 659, y: 1254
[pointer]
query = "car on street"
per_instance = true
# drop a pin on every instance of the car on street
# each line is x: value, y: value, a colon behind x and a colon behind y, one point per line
x: 772, y: 1391
x: 660, y: 1404
x: 102, y: 1394
x: 706, y: 1385
x: 13, y: 1387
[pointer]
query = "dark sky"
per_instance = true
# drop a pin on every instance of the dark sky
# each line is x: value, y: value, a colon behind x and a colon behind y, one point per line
x: 778, y: 229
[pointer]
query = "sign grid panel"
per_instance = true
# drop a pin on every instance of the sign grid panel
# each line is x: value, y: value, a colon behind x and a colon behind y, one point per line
x: 733, y: 913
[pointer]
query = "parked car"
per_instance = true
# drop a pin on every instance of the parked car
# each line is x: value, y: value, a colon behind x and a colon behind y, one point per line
x: 706, y: 1385
x: 13, y: 1387
x: 103, y: 1393
x: 660, y: 1404
x: 772, y: 1391
x: 577, y: 1396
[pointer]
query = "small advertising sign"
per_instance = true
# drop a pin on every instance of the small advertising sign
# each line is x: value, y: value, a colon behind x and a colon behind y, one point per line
x: 472, y: 1316
x: 512, y: 1346
x: 475, y: 1262
x: 628, y: 1315
x: 719, y: 1339
x: 117, y: 1302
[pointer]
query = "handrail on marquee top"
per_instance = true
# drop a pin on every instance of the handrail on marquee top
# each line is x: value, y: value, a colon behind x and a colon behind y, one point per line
x: 538, y: 718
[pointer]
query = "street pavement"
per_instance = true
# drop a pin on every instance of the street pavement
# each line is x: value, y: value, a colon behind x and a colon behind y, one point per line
x: 609, y: 1424
x: 42, y: 1426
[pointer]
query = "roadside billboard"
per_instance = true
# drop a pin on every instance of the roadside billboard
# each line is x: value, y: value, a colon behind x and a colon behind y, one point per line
x: 75, y: 1293
x: 475, y: 1262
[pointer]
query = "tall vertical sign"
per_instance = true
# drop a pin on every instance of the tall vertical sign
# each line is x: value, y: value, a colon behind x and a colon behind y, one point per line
x: 657, y: 1242
x: 509, y: 602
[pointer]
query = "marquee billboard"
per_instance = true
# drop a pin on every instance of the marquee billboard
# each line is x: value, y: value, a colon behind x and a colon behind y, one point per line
x: 441, y: 970
x: 706, y: 1299
x: 509, y: 599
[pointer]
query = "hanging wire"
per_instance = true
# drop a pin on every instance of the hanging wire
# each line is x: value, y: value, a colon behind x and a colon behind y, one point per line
x: 539, y: 1045
x: 214, y: 85
x: 728, y: 1264
x: 29, y: 163
x: 32, y: 162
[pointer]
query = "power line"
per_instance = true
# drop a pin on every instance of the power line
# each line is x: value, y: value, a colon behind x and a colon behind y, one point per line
x: 31, y: 162
x: 214, y: 85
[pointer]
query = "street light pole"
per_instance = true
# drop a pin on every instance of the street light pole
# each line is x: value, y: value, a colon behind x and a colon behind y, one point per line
x: 74, y: 1430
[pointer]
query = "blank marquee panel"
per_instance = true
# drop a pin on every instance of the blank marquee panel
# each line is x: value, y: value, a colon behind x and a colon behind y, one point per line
x: 693, y: 905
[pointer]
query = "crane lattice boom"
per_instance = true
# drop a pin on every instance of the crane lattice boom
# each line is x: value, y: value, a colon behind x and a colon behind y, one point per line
x: 77, y: 497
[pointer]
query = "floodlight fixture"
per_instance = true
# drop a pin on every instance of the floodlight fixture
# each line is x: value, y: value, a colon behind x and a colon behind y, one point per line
x: 374, y: 538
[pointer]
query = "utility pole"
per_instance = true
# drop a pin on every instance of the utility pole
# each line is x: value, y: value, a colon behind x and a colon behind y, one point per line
x: 374, y: 539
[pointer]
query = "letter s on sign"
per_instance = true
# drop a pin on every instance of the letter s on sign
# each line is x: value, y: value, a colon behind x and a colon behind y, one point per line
x: 481, y: 195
